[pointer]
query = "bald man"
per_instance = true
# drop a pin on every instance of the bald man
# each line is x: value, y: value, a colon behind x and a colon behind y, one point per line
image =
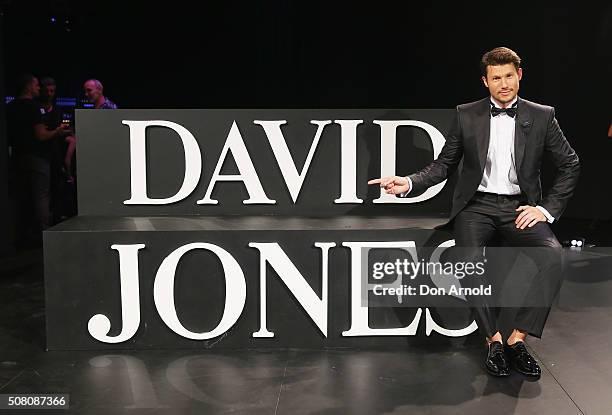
x: 94, y: 91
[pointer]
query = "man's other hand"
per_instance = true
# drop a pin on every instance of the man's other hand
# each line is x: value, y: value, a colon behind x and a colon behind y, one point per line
x: 529, y: 216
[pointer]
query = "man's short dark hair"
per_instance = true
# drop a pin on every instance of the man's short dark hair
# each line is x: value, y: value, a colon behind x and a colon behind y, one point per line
x: 499, y: 56
x: 47, y: 80
x: 23, y: 82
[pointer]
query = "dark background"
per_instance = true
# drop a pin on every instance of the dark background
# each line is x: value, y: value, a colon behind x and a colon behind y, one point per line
x: 312, y: 54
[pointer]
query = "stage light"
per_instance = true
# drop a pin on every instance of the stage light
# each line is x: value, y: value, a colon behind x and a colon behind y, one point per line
x: 576, y: 243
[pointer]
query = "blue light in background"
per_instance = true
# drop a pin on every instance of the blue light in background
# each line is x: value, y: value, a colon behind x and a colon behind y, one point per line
x: 59, y: 101
x: 66, y: 102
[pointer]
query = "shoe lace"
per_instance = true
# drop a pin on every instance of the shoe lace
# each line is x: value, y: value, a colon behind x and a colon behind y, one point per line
x: 520, y: 349
x: 496, y: 349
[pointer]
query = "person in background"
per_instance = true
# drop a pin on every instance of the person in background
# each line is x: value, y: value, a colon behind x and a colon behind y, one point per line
x: 62, y: 152
x: 30, y: 144
x: 94, y: 91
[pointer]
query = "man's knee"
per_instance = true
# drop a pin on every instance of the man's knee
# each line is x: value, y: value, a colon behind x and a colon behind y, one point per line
x: 553, y: 243
x: 549, y: 255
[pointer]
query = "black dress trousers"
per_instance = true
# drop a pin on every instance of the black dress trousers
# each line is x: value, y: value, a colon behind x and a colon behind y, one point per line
x: 488, y: 220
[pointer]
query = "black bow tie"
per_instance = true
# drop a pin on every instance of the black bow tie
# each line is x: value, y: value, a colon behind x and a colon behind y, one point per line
x: 511, y: 112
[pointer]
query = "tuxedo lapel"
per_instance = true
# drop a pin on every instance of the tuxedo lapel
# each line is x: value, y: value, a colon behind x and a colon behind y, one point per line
x: 483, y: 131
x: 522, y: 128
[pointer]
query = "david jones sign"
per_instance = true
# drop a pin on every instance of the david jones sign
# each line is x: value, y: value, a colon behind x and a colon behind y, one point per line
x: 272, y: 254
x: 293, y: 178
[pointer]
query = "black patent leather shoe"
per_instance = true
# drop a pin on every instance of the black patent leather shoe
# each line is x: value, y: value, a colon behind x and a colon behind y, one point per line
x: 496, y: 362
x: 522, y: 361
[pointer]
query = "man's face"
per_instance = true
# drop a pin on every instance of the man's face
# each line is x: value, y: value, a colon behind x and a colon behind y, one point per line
x: 91, y: 91
x: 503, y: 82
x: 35, y: 88
x: 48, y: 91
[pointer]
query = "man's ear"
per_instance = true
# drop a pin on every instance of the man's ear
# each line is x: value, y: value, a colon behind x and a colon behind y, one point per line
x: 484, y: 81
x: 520, y: 73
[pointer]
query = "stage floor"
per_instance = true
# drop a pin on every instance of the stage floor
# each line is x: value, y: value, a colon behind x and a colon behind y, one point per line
x: 574, y: 353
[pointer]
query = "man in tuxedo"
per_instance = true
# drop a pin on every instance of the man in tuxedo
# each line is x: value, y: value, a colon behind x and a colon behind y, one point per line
x: 502, y: 141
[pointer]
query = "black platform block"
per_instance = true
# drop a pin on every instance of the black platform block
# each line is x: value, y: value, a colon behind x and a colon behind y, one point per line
x: 179, y: 266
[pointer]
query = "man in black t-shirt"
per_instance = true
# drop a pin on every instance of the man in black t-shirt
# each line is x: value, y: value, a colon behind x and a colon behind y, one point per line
x: 63, y: 191
x: 52, y: 115
x: 31, y: 150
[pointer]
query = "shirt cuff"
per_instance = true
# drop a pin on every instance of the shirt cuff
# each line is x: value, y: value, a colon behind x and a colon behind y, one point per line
x: 404, y: 194
x: 549, y: 217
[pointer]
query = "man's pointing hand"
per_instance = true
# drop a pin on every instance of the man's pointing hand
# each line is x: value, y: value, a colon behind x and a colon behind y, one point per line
x: 393, y: 185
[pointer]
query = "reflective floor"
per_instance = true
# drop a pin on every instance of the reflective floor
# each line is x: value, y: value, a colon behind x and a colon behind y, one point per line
x: 574, y: 352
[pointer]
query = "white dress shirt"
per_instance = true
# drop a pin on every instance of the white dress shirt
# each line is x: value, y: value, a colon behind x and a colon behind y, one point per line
x: 499, y: 176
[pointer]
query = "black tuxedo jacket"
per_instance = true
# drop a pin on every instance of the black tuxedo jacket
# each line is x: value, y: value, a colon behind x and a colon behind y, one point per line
x: 537, y: 134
